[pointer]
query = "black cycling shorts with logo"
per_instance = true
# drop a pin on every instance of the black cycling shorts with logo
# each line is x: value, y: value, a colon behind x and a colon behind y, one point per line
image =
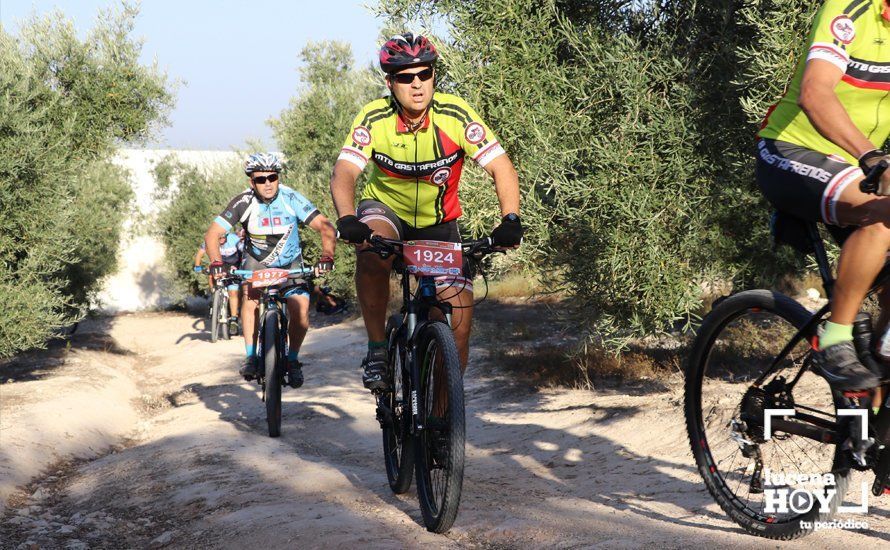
x: 448, y: 232
x: 802, y: 182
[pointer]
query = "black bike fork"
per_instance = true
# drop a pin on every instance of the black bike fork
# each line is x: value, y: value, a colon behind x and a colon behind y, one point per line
x: 417, y: 404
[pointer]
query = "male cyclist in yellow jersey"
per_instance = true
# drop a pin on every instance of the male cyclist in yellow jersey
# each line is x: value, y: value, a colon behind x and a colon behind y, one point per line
x: 417, y: 140
x: 814, y: 146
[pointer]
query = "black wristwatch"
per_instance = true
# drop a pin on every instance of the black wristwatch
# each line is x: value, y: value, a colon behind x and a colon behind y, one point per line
x: 511, y: 217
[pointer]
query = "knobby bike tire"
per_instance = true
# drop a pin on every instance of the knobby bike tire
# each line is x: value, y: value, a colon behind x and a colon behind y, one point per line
x: 727, y: 311
x: 214, y: 316
x: 439, y: 480
x: 398, y: 443
x: 272, y: 368
x: 224, y: 316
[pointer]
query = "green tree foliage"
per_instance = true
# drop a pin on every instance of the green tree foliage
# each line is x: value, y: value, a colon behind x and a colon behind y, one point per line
x: 65, y: 103
x: 193, y: 199
x: 101, y: 200
x: 311, y: 131
x: 632, y: 127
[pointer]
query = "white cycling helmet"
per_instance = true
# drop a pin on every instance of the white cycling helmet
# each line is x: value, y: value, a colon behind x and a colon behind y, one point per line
x: 262, y: 162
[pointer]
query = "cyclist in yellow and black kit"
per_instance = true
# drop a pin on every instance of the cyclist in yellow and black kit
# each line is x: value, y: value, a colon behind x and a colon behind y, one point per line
x: 814, y: 146
x: 416, y: 141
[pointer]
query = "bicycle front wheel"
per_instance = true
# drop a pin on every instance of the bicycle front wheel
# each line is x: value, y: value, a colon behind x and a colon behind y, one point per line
x: 214, y: 316
x: 752, y: 477
x: 224, y: 316
x: 440, y: 445
x: 273, y: 373
x: 398, y: 444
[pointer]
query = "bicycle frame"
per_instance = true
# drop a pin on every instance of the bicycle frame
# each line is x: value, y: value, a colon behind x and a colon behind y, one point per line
x: 415, y: 308
x: 813, y: 427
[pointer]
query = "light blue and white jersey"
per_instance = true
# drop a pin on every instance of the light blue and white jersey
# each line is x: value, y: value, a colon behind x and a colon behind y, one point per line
x: 272, y: 228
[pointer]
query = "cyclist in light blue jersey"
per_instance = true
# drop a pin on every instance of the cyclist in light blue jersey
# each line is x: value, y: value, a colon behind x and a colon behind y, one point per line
x: 271, y: 214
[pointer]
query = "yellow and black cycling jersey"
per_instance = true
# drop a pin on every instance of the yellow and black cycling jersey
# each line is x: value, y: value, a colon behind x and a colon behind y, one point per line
x: 853, y: 35
x: 417, y: 173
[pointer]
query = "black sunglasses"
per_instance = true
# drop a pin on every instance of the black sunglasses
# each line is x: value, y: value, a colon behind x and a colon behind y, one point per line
x: 263, y: 179
x: 408, y: 78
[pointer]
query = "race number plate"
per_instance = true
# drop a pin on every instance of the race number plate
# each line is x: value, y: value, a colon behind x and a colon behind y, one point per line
x: 433, y: 258
x: 268, y: 277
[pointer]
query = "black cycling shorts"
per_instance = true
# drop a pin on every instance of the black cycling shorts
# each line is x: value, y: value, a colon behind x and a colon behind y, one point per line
x: 803, y: 182
x: 449, y: 232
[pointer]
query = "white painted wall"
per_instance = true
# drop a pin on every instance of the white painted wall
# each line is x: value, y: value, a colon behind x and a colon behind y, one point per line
x: 140, y: 281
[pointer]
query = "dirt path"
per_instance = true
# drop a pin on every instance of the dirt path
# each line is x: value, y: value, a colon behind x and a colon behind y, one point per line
x: 174, y: 452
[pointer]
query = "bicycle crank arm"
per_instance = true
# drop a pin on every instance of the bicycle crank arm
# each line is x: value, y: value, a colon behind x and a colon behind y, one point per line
x: 882, y: 473
x: 384, y: 413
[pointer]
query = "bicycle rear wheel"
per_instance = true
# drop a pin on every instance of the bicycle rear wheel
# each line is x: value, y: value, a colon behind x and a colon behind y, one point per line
x: 440, y: 445
x: 214, y: 316
x: 398, y: 444
x: 273, y: 373
x: 725, y: 413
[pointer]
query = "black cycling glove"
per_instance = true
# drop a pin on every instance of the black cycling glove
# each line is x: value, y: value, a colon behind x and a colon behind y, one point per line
x: 871, y: 159
x: 508, y: 233
x: 325, y: 264
x: 352, y: 230
x: 217, y: 269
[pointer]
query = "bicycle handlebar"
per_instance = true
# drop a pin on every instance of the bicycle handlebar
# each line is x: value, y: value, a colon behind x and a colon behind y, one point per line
x: 303, y: 273
x: 475, y: 248
x: 873, y: 178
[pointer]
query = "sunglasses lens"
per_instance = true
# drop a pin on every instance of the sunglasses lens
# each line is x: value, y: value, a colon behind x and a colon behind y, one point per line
x: 264, y: 179
x: 408, y: 78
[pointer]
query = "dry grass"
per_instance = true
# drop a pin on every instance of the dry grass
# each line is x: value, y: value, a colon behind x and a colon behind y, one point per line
x: 515, y: 285
x: 597, y: 366
x: 554, y: 366
x: 528, y: 340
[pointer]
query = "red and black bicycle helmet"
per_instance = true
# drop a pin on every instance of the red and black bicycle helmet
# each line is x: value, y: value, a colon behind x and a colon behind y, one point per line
x: 406, y: 50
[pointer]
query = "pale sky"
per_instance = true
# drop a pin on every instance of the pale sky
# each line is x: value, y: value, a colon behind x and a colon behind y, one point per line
x: 237, y: 60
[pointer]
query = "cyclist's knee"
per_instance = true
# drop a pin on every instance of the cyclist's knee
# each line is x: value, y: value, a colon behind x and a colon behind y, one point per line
x: 879, y: 231
x: 384, y: 228
x: 370, y: 264
x: 857, y: 208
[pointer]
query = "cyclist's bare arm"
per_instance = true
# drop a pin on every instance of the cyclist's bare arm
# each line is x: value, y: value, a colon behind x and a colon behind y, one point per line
x: 211, y: 241
x: 328, y: 234
x: 822, y: 106
x: 506, y: 183
x: 343, y: 187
